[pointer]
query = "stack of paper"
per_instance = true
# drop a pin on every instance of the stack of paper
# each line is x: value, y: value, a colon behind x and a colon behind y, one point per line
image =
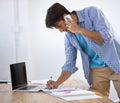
x: 75, y: 94
x: 68, y: 93
x: 72, y: 93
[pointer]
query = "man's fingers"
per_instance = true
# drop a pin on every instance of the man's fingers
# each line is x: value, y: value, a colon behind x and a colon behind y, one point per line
x: 50, y: 84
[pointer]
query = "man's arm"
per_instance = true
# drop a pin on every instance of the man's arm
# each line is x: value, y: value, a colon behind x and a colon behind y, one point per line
x: 69, y: 66
x: 101, y: 31
x: 91, y: 34
x: 75, y: 28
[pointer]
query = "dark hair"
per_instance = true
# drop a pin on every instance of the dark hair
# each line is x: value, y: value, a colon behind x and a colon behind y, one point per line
x: 54, y: 14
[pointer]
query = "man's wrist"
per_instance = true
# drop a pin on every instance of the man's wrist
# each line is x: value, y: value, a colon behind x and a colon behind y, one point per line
x: 81, y: 31
x: 57, y: 83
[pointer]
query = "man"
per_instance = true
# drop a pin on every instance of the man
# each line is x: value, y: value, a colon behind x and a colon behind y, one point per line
x: 90, y: 33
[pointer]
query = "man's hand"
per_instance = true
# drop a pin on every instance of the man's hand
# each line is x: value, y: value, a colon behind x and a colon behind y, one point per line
x: 54, y: 84
x: 51, y: 84
x: 72, y: 26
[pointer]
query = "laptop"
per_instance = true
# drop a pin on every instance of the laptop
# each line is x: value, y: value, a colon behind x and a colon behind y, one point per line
x: 19, y: 79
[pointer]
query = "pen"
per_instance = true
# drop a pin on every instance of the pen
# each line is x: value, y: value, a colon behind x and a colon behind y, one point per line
x: 50, y: 77
x: 51, y: 84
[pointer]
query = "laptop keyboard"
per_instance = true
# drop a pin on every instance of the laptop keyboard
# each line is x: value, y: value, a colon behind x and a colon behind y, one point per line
x: 27, y: 88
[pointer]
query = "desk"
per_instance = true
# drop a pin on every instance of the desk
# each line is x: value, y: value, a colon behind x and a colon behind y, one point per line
x: 7, y: 96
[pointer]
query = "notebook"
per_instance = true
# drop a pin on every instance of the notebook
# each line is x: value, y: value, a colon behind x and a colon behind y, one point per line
x: 19, y: 79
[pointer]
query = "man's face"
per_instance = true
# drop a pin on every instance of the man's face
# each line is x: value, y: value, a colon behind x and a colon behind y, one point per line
x: 60, y: 25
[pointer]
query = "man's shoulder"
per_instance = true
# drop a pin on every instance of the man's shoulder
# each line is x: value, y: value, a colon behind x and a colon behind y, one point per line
x: 87, y: 10
x: 91, y: 8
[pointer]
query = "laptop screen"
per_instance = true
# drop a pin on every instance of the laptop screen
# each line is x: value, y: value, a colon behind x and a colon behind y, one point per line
x: 18, y: 75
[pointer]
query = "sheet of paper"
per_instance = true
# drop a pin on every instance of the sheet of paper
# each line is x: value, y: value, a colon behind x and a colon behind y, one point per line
x: 58, y: 91
x: 69, y: 98
x: 75, y: 95
x: 68, y: 93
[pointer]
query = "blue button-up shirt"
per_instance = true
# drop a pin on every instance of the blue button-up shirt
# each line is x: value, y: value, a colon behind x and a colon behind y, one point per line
x: 93, y: 19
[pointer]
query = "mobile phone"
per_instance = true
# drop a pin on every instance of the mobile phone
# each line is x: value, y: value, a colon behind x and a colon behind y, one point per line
x: 67, y: 16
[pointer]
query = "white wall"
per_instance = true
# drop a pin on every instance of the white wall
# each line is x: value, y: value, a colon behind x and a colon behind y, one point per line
x: 7, y: 48
x: 41, y: 48
x: 13, y: 34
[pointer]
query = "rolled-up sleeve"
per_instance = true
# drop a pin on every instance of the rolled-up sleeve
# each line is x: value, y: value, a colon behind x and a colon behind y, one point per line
x: 100, y: 23
x: 71, y: 55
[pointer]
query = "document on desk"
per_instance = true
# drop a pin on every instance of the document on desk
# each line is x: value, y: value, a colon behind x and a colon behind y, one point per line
x: 72, y: 94
x: 68, y: 93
